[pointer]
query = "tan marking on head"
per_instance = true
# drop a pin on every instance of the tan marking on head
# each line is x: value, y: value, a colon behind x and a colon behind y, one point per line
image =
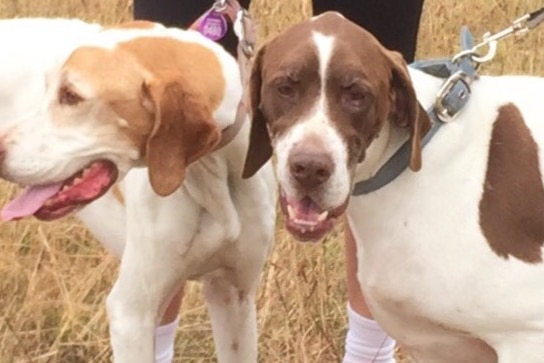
x: 190, y: 63
x: 187, y: 85
x: 512, y: 205
x: 158, y: 92
x: 110, y: 82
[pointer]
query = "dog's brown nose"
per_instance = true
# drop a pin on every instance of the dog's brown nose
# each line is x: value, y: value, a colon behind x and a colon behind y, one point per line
x: 310, y: 166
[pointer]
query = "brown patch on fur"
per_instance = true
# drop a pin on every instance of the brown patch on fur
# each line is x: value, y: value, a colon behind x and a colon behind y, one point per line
x: 279, y: 60
x: 512, y: 205
x: 182, y: 133
x: 359, y: 58
x: 189, y: 63
x: 115, y: 78
x: 196, y: 73
x: 118, y: 194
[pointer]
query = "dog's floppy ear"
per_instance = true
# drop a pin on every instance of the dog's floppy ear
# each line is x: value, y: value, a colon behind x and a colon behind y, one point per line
x: 183, y: 131
x: 406, y: 110
x: 260, y: 146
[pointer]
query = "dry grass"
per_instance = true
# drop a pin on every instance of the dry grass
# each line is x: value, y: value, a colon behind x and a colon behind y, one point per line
x: 54, y: 277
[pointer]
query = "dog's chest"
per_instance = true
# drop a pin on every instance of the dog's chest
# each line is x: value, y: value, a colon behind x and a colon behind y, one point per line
x: 414, y: 270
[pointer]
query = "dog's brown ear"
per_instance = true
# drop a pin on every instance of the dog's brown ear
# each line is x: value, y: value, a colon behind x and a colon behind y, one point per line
x: 260, y: 147
x: 183, y: 131
x: 406, y: 110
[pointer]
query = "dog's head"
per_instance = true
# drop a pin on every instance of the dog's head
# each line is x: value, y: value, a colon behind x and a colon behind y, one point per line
x: 321, y: 92
x: 130, y: 98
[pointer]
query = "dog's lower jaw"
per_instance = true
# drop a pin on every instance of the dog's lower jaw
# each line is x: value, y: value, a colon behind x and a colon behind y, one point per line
x: 307, y: 221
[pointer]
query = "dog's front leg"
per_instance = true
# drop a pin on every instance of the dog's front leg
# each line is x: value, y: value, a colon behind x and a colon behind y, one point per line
x: 145, y: 285
x: 151, y: 272
x: 132, y: 307
x: 233, y: 315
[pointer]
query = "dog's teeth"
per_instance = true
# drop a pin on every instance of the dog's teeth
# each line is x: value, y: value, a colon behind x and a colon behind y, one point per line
x: 47, y: 203
x: 305, y: 223
x: 86, y: 171
x: 323, y: 216
x: 77, y: 181
x: 290, y: 212
x: 64, y: 188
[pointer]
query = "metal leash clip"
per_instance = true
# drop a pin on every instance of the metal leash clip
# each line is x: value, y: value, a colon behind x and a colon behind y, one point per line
x: 245, y: 31
x: 452, y: 96
x: 220, y: 6
x: 456, y: 89
x: 518, y: 27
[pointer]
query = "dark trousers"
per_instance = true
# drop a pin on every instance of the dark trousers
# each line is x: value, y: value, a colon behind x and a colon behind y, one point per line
x: 394, y: 22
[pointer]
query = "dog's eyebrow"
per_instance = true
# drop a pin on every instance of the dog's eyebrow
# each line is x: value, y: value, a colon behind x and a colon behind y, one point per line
x: 293, y: 77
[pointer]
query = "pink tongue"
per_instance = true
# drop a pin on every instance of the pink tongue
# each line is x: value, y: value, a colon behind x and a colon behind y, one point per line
x: 30, y: 200
x: 306, y: 209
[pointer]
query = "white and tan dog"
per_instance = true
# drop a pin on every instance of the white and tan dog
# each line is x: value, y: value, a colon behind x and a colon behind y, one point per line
x: 149, y: 104
x: 449, y: 257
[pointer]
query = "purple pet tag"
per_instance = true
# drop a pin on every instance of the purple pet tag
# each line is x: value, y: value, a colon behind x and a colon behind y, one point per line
x: 213, y: 25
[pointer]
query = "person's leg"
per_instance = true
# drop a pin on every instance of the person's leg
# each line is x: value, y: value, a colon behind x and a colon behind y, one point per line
x: 394, y: 22
x: 365, y: 339
x: 165, y: 334
x: 183, y: 14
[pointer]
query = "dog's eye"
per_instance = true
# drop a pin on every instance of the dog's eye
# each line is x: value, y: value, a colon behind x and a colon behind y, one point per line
x: 286, y: 90
x: 354, y: 97
x: 69, y: 97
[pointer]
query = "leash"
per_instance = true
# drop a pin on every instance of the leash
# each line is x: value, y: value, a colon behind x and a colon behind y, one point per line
x: 459, y: 72
x: 213, y: 24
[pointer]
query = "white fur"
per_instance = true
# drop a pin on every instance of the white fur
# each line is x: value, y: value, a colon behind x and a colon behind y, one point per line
x: 21, y: 67
x: 427, y: 272
x: 216, y: 227
x: 450, y: 276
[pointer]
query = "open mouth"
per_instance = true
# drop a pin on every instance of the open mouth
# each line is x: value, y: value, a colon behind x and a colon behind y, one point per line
x: 52, y: 201
x: 306, y: 220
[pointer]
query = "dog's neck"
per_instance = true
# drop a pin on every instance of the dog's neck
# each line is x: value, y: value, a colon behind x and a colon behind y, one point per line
x: 391, y: 137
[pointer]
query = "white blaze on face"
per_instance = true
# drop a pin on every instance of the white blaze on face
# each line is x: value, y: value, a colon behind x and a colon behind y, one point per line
x: 317, y: 124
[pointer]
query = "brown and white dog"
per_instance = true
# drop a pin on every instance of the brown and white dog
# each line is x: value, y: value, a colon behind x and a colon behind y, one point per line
x: 149, y: 104
x: 450, y: 256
